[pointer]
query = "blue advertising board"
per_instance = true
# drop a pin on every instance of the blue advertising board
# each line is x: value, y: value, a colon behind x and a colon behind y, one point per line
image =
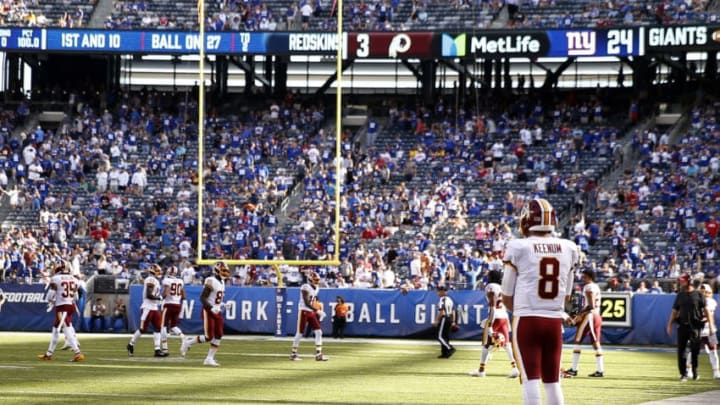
x: 23, y: 308
x: 110, y: 41
x: 388, y: 313
x: 379, y: 313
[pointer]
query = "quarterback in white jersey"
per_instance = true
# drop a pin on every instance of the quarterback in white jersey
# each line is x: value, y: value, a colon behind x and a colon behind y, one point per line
x: 212, y: 297
x: 589, y: 323
x: 708, y: 334
x: 496, y: 330
x: 62, y: 293
x: 151, y: 315
x: 537, y: 283
x: 173, y: 292
x: 310, y: 312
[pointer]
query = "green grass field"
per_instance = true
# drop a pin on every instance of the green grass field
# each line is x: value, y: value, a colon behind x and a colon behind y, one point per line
x: 257, y: 370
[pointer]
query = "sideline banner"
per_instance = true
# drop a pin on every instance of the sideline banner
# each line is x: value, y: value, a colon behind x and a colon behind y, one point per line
x: 382, y: 313
x: 24, y: 308
x: 388, y: 313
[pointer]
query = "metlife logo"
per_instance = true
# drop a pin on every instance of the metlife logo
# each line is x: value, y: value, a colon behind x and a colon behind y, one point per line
x: 453, y: 47
x: 530, y: 44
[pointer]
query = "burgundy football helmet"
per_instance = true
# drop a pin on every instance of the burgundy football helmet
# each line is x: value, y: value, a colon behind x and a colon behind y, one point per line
x: 537, y: 215
x: 221, y: 270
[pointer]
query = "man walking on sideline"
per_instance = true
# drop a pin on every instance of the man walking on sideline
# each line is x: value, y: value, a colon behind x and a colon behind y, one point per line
x: 688, y: 311
x: 444, y: 322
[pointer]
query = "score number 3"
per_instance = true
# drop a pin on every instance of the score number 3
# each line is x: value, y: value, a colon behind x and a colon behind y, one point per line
x: 549, y: 284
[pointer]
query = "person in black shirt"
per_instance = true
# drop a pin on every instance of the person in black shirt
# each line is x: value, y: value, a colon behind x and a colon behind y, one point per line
x: 688, y: 311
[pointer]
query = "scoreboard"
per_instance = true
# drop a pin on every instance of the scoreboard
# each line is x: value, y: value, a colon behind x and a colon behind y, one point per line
x: 586, y: 42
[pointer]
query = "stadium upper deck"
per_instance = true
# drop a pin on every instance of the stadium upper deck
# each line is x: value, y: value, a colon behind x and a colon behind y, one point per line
x: 373, y: 15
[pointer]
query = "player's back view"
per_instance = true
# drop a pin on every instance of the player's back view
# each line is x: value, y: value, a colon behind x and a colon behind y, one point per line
x: 537, y: 283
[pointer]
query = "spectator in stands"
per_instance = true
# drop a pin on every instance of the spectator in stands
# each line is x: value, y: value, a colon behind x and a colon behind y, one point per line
x: 306, y: 12
x: 656, y: 289
x: 99, y: 310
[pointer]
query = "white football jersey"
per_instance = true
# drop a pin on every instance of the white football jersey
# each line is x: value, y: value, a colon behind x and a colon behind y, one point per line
x: 711, y: 306
x: 496, y: 290
x: 593, y: 289
x: 217, y: 288
x: 175, y: 289
x: 66, y: 286
x: 151, y: 283
x: 539, y: 275
x: 312, y: 292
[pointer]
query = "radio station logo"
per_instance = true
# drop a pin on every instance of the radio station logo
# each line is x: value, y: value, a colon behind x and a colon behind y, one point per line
x: 453, y: 46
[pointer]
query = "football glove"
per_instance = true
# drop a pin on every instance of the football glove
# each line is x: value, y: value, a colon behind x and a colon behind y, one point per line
x: 321, y: 315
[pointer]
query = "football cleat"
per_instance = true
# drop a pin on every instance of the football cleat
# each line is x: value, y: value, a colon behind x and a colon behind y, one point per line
x: 66, y: 346
x: 185, y: 347
x: 211, y: 363
x: 716, y: 375
x: 696, y: 377
x: 683, y: 378
x: 78, y: 357
x: 45, y: 357
x: 160, y: 353
x: 321, y: 357
x: 295, y: 357
x: 596, y: 374
x: 571, y: 372
x: 477, y: 373
x: 514, y: 373
x: 130, y: 349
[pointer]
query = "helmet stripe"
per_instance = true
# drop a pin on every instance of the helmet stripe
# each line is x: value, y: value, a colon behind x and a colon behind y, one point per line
x: 546, y: 208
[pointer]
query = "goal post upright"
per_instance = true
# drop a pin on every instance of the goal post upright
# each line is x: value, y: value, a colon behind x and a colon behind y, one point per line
x: 333, y: 261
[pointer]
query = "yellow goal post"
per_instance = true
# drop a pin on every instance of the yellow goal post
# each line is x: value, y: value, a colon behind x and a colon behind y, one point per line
x: 331, y: 261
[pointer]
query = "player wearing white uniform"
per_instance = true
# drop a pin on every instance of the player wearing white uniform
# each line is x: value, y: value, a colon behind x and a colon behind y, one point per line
x: 211, y: 298
x: 708, y: 336
x: 537, y: 283
x: 151, y: 315
x: 310, y: 312
x: 496, y: 330
x: 173, y: 292
x: 589, y: 323
x: 61, y: 294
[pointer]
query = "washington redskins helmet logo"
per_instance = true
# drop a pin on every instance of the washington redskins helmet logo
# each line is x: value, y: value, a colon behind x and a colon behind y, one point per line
x: 313, y: 278
x: 537, y: 215
x: 221, y: 270
x: 171, y: 271
x: 156, y: 270
x: 62, y: 267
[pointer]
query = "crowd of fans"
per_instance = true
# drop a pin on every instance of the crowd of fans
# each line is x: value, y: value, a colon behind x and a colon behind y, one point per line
x: 372, y: 15
x: 430, y: 196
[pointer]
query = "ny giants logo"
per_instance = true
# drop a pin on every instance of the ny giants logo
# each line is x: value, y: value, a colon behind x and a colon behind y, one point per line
x: 245, y: 40
x: 581, y: 43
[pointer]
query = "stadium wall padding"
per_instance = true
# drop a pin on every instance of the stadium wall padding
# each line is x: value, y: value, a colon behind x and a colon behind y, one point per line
x: 379, y: 313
